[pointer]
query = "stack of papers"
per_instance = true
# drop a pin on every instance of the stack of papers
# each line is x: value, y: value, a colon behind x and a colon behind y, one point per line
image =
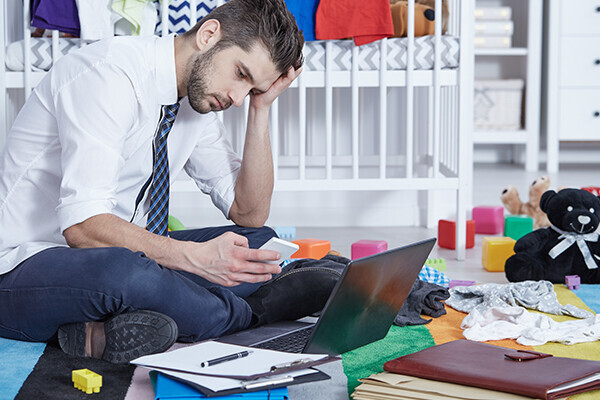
x: 387, y: 385
x: 260, y: 370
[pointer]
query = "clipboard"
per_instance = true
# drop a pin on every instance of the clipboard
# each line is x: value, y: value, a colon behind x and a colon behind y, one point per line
x: 263, y: 369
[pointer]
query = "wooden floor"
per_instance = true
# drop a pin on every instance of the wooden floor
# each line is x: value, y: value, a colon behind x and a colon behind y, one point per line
x: 488, y: 183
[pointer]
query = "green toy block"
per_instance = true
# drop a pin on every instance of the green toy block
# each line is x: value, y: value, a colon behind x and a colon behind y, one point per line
x: 437, y: 263
x: 174, y: 224
x: 517, y: 226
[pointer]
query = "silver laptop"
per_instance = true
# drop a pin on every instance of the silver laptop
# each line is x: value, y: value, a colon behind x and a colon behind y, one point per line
x: 359, y: 311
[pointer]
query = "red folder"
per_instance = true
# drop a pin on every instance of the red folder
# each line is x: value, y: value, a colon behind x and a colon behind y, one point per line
x: 527, y: 373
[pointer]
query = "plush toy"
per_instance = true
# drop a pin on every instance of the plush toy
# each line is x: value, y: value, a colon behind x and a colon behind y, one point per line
x: 570, y: 246
x: 514, y: 205
x: 424, y: 17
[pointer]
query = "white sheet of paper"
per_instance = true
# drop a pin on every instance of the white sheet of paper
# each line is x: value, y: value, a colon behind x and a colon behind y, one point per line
x: 190, y: 358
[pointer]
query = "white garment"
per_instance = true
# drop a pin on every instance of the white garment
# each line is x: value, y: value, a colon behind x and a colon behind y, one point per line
x: 530, y: 329
x: 82, y: 144
x: 98, y: 20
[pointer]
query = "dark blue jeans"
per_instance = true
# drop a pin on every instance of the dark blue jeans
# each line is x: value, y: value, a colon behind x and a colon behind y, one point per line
x: 62, y: 285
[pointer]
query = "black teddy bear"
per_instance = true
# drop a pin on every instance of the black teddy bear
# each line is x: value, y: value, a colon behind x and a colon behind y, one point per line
x: 570, y: 246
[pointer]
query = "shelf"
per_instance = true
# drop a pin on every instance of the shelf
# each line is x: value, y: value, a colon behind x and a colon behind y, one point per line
x: 500, y: 137
x: 512, y: 51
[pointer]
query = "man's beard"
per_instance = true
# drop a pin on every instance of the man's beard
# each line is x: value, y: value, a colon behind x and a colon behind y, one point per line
x: 197, y: 89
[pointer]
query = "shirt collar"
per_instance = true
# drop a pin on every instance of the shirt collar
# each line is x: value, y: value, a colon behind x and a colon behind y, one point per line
x: 166, y: 76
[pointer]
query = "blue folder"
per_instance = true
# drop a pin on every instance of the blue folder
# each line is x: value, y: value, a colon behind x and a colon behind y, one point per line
x: 166, y: 388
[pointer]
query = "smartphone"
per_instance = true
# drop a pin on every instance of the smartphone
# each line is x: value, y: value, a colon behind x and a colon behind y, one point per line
x: 283, y: 247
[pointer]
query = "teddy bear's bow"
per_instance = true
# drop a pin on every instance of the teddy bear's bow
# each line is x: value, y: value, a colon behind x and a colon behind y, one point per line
x: 568, y: 238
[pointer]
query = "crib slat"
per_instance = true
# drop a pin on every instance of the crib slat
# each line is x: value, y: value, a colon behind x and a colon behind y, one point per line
x: 383, y: 109
x: 302, y: 126
x: 355, y: 120
x: 328, y: 110
x: 410, y: 98
x: 437, y: 63
x: 55, y: 47
x: 193, y: 12
x: 164, y: 16
x: 26, y: 49
x: 274, y: 129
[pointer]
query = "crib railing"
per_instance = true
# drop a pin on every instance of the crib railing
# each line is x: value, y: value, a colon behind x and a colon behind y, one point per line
x: 418, y: 123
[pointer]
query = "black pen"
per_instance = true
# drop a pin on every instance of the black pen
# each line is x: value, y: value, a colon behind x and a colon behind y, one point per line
x: 225, y: 358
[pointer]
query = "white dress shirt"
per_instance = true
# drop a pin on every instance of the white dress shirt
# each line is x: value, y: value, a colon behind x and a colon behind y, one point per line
x: 82, y: 144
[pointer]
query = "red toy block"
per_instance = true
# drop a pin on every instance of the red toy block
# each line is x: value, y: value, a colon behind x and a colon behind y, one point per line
x: 488, y: 219
x: 595, y: 190
x: 572, y: 281
x: 447, y: 234
x: 311, y: 248
x: 364, y: 248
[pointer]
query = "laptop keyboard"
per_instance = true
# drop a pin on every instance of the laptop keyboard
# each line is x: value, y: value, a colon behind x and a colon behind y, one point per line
x: 293, y: 342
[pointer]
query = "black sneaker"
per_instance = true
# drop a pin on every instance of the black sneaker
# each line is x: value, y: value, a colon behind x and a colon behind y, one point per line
x: 121, y: 338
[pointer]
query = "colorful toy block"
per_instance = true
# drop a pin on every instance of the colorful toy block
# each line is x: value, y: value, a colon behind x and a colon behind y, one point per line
x: 517, y: 226
x: 437, y: 263
x: 174, y: 224
x: 488, y: 219
x: 285, y: 232
x: 495, y: 252
x: 572, y: 281
x: 595, y: 190
x: 447, y: 234
x: 364, y: 248
x: 87, y: 381
x: 311, y: 248
x: 456, y: 282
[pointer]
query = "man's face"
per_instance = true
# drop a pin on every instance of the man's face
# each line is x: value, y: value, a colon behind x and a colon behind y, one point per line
x: 218, y: 78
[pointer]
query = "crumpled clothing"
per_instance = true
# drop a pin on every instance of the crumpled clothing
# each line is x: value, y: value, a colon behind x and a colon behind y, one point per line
x: 432, y: 275
x: 529, y: 329
x: 424, y: 298
x: 364, y: 21
x: 534, y: 295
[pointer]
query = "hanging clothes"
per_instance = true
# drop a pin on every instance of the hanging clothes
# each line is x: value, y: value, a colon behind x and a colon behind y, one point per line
x: 366, y: 22
x: 137, y: 13
x: 304, y: 11
x: 60, y: 15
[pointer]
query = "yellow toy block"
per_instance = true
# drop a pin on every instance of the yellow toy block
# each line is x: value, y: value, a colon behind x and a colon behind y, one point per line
x: 312, y: 248
x: 87, y: 381
x: 496, y: 251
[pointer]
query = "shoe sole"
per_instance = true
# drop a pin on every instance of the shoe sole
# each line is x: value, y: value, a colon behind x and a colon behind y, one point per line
x: 128, y: 336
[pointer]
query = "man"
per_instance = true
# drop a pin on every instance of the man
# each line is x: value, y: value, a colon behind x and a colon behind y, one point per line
x: 84, y: 254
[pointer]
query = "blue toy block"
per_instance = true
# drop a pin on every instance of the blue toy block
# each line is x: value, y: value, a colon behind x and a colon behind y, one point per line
x: 285, y: 232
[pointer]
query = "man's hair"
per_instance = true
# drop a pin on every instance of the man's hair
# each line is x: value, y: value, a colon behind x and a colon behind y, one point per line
x: 244, y: 23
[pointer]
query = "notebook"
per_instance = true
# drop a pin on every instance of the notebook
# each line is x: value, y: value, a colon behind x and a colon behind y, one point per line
x: 360, y: 309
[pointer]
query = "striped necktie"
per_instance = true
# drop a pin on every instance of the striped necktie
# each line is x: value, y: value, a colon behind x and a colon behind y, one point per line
x: 158, y: 215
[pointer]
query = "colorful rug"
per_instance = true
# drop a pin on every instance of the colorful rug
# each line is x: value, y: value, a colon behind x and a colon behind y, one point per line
x: 42, y: 371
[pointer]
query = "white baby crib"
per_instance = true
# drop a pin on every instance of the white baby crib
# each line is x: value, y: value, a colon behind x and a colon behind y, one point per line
x: 393, y: 115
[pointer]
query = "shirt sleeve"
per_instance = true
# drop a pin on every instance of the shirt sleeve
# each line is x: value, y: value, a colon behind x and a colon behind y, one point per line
x: 94, y: 111
x: 214, y: 165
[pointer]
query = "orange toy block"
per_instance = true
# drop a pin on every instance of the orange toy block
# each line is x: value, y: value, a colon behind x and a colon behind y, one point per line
x: 447, y: 234
x: 311, y: 248
x: 495, y: 252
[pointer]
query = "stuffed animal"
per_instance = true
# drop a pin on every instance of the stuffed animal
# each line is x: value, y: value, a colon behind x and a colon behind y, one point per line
x: 514, y: 205
x: 423, y: 26
x: 570, y: 246
x: 424, y: 19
